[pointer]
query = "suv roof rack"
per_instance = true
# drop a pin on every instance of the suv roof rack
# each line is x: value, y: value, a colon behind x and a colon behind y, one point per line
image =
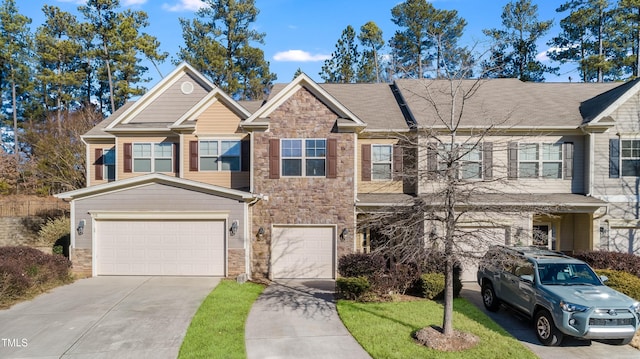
x: 533, y: 251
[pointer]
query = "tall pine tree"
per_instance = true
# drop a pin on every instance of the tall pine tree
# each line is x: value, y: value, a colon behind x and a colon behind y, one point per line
x: 341, y: 67
x: 515, y: 49
x: 218, y: 43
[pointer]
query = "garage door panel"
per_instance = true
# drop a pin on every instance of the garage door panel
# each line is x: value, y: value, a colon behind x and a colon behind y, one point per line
x: 168, y: 247
x: 303, y: 252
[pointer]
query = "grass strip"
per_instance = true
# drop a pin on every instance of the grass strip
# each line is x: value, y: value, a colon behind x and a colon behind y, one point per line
x: 217, y: 329
x: 385, y: 329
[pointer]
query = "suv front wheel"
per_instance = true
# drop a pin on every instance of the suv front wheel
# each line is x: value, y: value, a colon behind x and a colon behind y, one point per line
x: 489, y: 299
x: 546, y: 331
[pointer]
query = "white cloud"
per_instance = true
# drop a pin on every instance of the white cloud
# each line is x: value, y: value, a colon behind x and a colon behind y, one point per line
x: 543, y: 57
x: 133, y: 2
x: 184, y: 5
x: 299, y: 56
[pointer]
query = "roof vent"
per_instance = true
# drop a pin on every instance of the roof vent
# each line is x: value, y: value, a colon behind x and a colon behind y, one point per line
x: 186, y: 87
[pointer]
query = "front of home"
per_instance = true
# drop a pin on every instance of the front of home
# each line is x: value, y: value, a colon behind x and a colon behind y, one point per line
x: 188, y: 181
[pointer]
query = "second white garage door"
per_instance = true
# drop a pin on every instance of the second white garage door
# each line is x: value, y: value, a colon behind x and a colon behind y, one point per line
x: 303, y: 252
x: 167, y: 247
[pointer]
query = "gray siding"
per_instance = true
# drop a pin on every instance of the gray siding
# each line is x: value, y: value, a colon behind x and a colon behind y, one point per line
x: 172, y: 103
x: 157, y: 197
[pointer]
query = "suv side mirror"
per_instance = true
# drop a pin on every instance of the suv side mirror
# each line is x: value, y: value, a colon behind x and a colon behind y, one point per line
x: 527, y: 278
x: 604, y: 278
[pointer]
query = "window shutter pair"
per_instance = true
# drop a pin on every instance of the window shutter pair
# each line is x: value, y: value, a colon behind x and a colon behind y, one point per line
x: 366, y: 162
x: 487, y: 160
x: 332, y: 158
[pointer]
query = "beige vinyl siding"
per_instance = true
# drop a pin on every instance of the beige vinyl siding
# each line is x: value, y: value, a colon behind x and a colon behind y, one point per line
x: 500, y: 165
x: 157, y: 197
x: 172, y: 103
x: 139, y: 139
x: 217, y: 119
x: 375, y: 186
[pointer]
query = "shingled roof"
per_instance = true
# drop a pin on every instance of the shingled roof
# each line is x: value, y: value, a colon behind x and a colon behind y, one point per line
x: 508, y: 103
x: 375, y: 104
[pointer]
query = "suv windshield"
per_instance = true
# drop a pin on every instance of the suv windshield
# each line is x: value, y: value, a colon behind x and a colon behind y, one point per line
x: 566, y: 274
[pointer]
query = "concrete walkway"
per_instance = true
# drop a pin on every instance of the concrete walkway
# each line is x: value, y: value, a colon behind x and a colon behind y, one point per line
x: 298, y: 319
x: 105, y: 317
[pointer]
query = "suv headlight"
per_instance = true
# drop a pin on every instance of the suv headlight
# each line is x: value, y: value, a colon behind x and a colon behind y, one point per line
x: 635, y: 307
x: 571, y: 307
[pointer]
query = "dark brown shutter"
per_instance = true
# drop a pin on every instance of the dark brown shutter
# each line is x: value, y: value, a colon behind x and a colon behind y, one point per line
x: 176, y: 157
x: 332, y: 158
x: 614, y: 158
x: 366, y: 162
x: 432, y: 161
x: 568, y: 160
x: 487, y: 160
x: 245, y: 159
x: 98, y: 165
x: 274, y: 158
x: 193, y: 156
x: 397, y: 162
x: 128, y: 158
x: 512, y: 155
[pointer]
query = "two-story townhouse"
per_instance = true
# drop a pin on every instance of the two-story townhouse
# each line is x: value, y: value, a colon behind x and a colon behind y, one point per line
x: 527, y: 169
x: 316, y: 148
x: 167, y: 185
x: 187, y: 181
x: 611, y: 123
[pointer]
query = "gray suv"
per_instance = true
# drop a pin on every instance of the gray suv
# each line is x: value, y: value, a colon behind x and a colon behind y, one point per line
x: 561, y: 294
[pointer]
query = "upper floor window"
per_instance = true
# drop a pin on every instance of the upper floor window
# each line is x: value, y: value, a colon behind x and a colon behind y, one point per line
x: 540, y: 160
x: 630, y: 156
x: 304, y: 157
x: 109, y: 163
x: 219, y: 155
x: 152, y: 157
x: 467, y: 158
x: 381, y: 162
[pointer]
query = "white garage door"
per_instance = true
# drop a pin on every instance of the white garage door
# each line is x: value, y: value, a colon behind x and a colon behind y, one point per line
x: 167, y: 247
x: 303, y: 252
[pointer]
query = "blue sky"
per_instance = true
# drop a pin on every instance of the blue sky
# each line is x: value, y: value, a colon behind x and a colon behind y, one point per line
x: 302, y: 33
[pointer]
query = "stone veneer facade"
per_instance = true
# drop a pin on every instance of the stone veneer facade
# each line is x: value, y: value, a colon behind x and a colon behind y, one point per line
x: 81, y: 260
x: 235, y: 262
x: 302, y: 200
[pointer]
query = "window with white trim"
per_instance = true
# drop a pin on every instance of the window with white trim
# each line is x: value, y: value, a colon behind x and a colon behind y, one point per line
x: 540, y: 160
x: 153, y: 157
x: 630, y: 157
x: 381, y: 162
x: 303, y: 157
x: 468, y: 160
x: 219, y: 155
x: 109, y: 163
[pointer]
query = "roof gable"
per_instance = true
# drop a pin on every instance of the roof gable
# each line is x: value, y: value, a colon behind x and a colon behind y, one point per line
x: 160, y: 179
x: 183, y: 78
x: 303, y: 81
x: 214, y: 96
x: 597, y: 110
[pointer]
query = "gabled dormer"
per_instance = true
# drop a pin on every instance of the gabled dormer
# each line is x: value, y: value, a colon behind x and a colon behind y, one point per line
x: 184, y: 126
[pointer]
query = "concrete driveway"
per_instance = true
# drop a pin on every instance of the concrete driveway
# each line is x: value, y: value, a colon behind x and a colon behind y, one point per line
x: 522, y: 329
x: 298, y: 319
x: 105, y: 317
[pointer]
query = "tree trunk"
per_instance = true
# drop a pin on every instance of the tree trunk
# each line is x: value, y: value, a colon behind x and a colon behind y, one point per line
x: 106, y: 55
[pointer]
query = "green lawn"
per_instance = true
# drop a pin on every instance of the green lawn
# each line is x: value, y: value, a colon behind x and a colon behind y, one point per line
x: 217, y: 329
x: 385, y: 329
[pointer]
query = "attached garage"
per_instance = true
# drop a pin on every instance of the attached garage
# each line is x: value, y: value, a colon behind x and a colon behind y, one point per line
x: 160, y: 247
x: 303, y: 252
x: 157, y: 224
